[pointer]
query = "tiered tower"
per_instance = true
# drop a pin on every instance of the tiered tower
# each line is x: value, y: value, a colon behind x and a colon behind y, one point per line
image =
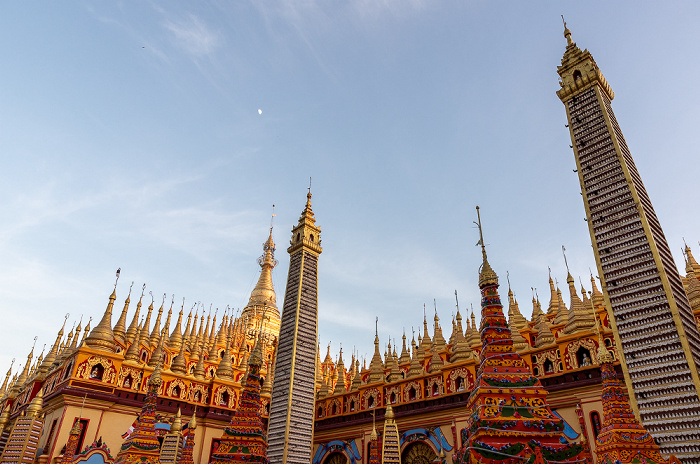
x: 391, y: 445
x: 509, y: 413
x: 621, y: 440
x: 244, y: 440
x: 24, y: 439
x: 291, y: 423
x: 142, y: 446
x: 171, y: 450
x: 653, y: 321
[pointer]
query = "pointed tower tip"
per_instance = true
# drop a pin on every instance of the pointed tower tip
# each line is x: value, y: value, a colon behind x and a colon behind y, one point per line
x: 567, y: 32
x: 487, y: 276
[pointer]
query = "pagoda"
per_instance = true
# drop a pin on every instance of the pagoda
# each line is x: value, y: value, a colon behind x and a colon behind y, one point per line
x: 622, y: 440
x: 244, y: 439
x: 509, y: 414
x: 142, y: 445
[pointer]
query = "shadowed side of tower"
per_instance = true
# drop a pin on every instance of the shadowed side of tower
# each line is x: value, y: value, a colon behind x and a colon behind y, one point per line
x: 652, y: 318
x: 290, y: 429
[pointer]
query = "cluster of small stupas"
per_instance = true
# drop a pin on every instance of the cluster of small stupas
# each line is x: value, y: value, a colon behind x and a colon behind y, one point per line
x: 202, y: 363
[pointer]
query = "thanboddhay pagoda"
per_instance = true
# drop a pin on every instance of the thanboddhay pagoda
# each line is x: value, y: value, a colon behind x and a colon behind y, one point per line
x: 605, y: 374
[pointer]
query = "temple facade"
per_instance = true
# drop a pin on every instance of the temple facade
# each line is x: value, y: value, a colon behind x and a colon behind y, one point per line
x: 605, y: 375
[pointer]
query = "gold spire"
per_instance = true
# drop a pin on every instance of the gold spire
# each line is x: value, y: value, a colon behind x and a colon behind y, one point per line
x: 85, y: 332
x: 376, y: 370
x: 514, y: 313
x: 158, y: 352
x: 102, y: 337
x: 192, y: 338
x: 155, y: 379
x: 186, y: 333
x: 179, y: 364
x: 192, y: 425
x: 436, y: 361
x: 3, y: 389
x: 145, y: 337
x: 155, y: 333
x: 597, y: 298
x: 553, y: 308
x: 74, y: 343
x: 176, y: 335
x: 225, y: 369
x: 562, y: 316
x: 51, y: 356
x: 134, y: 326
x: 579, y: 317
x: 177, y: 422
x: 132, y: 353
x: 37, y: 403
x: 438, y: 339
x: 405, y: 355
x: 487, y: 276
x: 25, y: 372
x: 544, y: 333
x: 119, y: 329
x: 340, y: 369
x: 475, y: 338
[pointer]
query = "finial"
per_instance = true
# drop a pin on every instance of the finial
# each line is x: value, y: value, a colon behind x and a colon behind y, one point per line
x: 538, y: 297
x: 567, y: 32
x: 309, y: 185
x: 376, y: 322
x: 563, y: 251
x: 456, y: 301
x: 117, y: 280
x: 272, y: 218
x: 143, y: 289
x: 481, y: 235
x: 165, y: 295
x: 487, y: 276
x: 151, y: 293
x: 130, y: 286
x: 435, y: 306
x: 425, y: 319
x: 508, y: 279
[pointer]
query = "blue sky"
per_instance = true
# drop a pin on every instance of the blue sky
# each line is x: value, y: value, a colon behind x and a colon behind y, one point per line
x: 131, y: 138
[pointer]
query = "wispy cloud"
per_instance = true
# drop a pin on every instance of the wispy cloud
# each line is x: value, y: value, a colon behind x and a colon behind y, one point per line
x: 192, y: 35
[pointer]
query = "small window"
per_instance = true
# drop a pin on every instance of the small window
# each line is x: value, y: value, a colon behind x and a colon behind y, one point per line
x: 298, y: 237
x: 460, y: 383
x: 583, y: 356
x: 224, y: 399
x: 176, y: 391
x: 97, y: 372
x: 577, y: 75
x: 392, y: 398
x: 320, y: 411
x: 548, y: 367
x: 352, y: 405
x: 412, y: 394
x: 370, y: 402
x: 436, y: 389
x: 334, y: 409
x: 311, y: 237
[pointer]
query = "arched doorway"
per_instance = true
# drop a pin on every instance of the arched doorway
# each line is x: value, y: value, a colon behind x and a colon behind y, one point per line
x: 418, y: 453
x: 336, y: 458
